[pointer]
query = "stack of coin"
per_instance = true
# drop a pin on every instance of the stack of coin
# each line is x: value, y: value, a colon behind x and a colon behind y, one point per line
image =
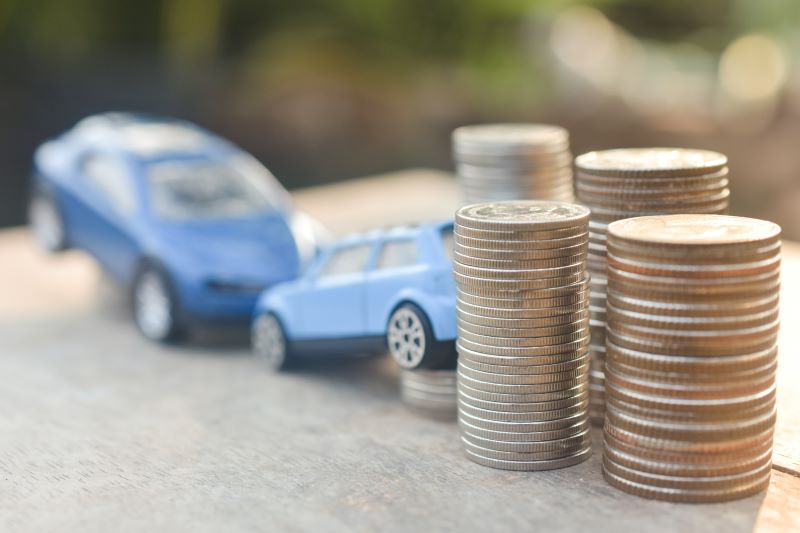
x: 624, y: 183
x: 692, y: 354
x: 513, y: 162
x: 522, y: 308
x: 430, y: 392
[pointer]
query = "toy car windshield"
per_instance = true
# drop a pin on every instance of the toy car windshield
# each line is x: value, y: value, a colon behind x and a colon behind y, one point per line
x: 207, y: 189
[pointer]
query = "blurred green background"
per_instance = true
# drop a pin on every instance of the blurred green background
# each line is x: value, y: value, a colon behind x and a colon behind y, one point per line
x: 321, y: 90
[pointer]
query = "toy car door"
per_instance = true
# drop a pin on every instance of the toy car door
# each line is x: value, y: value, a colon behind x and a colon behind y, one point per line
x: 334, y: 303
x: 108, y: 200
x: 397, y: 268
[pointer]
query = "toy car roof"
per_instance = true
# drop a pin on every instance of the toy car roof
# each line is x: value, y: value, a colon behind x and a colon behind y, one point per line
x: 147, y: 136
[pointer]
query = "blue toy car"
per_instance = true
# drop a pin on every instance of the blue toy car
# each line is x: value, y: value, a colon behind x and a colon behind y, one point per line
x: 385, y: 289
x: 196, y: 227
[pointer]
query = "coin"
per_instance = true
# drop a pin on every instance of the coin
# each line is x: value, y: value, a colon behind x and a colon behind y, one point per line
x: 680, y: 458
x: 505, y: 395
x: 519, y: 264
x: 526, y: 276
x: 505, y: 455
x: 540, y: 387
x: 531, y: 465
x: 466, y: 370
x: 527, y: 294
x: 679, y: 363
x: 431, y: 393
x: 552, y: 341
x: 522, y: 235
x: 707, y: 432
x: 502, y: 360
x: 524, y: 351
x: 523, y: 416
x: 522, y: 407
x: 687, y: 495
x: 561, y: 445
x: 539, y: 249
x: 651, y: 161
x: 522, y: 284
x: 517, y: 215
x: 526, y: 370
x: 528, y: 332
x: 615, y: 183
x: 510, y: 138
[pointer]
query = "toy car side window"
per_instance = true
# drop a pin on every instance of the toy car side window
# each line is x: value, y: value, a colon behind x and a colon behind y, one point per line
x: 347, y: 260
x: 109, y: 176
x: 397, y: 254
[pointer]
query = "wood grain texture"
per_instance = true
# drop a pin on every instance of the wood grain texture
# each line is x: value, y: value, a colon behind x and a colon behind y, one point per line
x: 104, y: 431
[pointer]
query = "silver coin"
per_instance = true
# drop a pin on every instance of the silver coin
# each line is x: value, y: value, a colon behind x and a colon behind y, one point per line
x: 627, y: 182
x: 527, y: 351
x: 579, y: 296
x: 529, y: 466
x: 520, y: 235
x: 522, y: 388
x: 523, y: 407
x: 520, y: 314
x: 522, y: 250
x: 569, y: 290
x: 523, y: 342
x: 525, y: 416
x: 525, y: 264
x: 539, y: 274
x: 522, y: 427
x: 502, y: 360
x: 483, y: 451
x: 520, y: 323
x: 522, y: 215
x: 567, y: 393
x: 577, y: 441
x: 557, y: 330
x: 536, y: 369
x: 465, y: 370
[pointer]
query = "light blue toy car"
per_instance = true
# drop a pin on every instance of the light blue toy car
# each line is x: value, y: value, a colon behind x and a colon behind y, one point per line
x: 192, y: 225
x: 384, y: 289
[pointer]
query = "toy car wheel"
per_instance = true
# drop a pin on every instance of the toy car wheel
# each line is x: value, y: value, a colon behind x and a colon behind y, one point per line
x: 154, y: 306
x: 269, y: 342
x: 46, y: 222
x: 410, y: 339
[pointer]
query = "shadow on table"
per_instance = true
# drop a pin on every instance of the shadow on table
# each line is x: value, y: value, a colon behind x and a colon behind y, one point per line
x: 368, y: 373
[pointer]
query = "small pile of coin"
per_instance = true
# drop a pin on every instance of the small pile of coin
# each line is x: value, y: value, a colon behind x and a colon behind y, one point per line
x: 692, y: 354
x: 513, y: 162
x: 522, y: 308
x: 430, y: 392
x: 624, y: 183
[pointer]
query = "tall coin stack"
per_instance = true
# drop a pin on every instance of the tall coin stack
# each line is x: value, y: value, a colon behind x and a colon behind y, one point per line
x: 431, y: 393
x: 513, y: 162
x: 522, y: 308
x: 624, y: 183
x: 692, y: 354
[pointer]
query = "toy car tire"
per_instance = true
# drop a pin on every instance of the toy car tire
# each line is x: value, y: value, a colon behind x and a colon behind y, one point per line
x: 411, y: 342
x: 46, y: 221
x: 155, y: 307
x: 269, y: 342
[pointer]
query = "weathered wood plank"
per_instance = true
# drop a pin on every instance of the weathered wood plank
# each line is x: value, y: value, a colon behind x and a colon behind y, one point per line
x: 104, y: 430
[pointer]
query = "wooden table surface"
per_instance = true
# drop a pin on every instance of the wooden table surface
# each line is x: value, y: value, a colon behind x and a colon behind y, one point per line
x: 103, y: 429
